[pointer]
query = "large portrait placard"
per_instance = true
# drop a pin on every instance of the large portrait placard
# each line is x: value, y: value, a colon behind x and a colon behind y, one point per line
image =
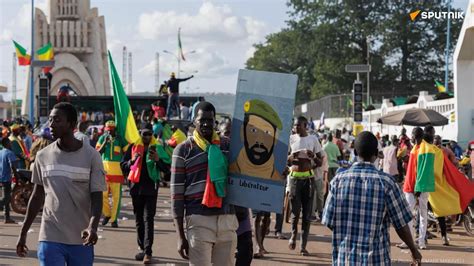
x: 261, y: 127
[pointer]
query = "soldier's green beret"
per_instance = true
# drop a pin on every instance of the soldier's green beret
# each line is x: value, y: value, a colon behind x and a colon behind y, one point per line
x: 263, y: 110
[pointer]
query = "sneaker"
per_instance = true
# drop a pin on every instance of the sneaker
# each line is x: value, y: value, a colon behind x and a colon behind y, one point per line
x: 422, y: 246
x: 140, y: 256
x: 402, y: 246
x: 147, y: 259
x: 105, y: 220
x: 114, y: 224
x: 445, y: 241
x: 279, y: 235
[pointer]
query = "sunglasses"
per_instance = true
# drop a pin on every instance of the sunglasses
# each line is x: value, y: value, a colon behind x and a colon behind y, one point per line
x: 147, y: 134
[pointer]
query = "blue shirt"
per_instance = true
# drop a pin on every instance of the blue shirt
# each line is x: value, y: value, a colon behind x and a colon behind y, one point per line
x: 7, y: 158
x: 157, y: 129
x: 361, y: 205
x: 28, y: 142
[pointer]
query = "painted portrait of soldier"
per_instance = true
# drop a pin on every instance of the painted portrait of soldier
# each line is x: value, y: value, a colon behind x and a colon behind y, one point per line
x: 259, y: 134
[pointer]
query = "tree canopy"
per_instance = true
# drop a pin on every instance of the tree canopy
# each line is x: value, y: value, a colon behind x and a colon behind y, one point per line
x: 321, y: 37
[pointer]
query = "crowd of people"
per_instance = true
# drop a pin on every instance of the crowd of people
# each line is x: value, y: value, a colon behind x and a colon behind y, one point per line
x: 355, y: 185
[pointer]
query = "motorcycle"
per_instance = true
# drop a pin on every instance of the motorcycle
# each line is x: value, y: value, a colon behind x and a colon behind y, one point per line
x: 468, y: 219
x: 21, y: 191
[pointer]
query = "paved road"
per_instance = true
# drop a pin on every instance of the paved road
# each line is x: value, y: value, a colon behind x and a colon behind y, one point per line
x: 118, y: 246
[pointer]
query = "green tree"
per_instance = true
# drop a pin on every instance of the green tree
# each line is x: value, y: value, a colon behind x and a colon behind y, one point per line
x: 323, y: 36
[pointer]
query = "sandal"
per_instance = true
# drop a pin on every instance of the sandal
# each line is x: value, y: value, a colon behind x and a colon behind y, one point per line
x: 304, y: 252
x: 292, y: 244
x: 258, y: 255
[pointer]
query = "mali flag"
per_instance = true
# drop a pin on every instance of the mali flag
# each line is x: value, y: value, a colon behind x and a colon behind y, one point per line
x: 24, y: 59
x: 124, y: 121
x: 440, y: 86
x: 429, y: 164
x: 45, y: 53
x: 450, y: 190
x: 453, y: 191
x: 180, y: 46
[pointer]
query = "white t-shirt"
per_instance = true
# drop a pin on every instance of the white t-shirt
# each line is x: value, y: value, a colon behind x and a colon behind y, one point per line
x: 68, y: 179
x: 310, y: 143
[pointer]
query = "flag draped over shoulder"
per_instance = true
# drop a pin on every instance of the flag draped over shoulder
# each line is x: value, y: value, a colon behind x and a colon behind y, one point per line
x: 429, y: 165
x: 440, y: 86
x: 453, y: 191
x: 45, y: 53
x: 180, y: 46
x: 124, y: 121
x: 24, y: 59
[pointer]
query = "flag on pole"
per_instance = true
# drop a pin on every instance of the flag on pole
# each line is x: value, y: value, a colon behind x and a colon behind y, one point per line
x: 180, y: 46
x: 45, y: 53
x: 321, y: 120
x: 24, y: 59
x: 440, y: 86
x: 124, y: 121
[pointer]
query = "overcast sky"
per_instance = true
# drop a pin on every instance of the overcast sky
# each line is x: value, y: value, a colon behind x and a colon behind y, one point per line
x: 221, y: 33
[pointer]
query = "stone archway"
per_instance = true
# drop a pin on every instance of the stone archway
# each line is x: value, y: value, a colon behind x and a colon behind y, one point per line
x: 65, y: 76
x: 69, y: 68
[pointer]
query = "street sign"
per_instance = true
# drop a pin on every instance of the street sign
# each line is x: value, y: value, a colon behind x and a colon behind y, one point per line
x: 358, y: 68
x: 46, y: 63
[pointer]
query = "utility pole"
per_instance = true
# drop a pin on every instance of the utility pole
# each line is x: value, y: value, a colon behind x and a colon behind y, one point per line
x: 14, y: 85
x: 32, y: 78
x: 124, y: 68
x: 368, y: 72
x: 130, y: 77
x: 157, y: 72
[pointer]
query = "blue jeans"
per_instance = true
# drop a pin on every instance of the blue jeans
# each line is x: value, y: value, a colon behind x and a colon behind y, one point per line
x: 173, y: 105
x: 55, y: 254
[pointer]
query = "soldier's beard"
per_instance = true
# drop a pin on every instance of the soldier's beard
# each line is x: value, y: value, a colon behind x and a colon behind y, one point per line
x: 258, y: 157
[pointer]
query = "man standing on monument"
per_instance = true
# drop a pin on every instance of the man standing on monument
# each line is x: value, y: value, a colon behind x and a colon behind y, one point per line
x: 173, y: 100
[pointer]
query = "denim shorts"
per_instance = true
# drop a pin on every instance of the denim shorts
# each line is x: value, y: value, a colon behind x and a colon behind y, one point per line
x: 53, y: 253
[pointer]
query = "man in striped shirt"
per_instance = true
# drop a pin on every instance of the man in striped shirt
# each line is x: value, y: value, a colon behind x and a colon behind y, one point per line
x: 210, y: 232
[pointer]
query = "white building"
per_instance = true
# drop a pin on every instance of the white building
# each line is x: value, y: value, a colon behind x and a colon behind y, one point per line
x: 77, y: 34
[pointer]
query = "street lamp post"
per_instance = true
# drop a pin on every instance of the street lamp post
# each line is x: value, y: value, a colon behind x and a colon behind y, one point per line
x: 32, y: 78
x: 178, y: 58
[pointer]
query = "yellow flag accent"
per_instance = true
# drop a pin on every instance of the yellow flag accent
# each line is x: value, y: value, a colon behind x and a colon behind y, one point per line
x: 414, y: 14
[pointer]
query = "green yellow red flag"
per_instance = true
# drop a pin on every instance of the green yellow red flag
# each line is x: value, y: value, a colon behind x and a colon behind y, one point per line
x: 124, y: 121
x: 24, y: 59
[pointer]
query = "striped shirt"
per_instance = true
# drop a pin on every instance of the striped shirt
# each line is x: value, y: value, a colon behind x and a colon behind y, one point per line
x: 361, y: 204
x: 188, y: 180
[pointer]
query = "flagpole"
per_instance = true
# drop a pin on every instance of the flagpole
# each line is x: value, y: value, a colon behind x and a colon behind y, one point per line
x: 179, y: 51
x: 446, y: 72
x: 32, y: 84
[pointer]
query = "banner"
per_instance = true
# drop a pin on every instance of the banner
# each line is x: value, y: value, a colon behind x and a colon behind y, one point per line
x: 261, y: 127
